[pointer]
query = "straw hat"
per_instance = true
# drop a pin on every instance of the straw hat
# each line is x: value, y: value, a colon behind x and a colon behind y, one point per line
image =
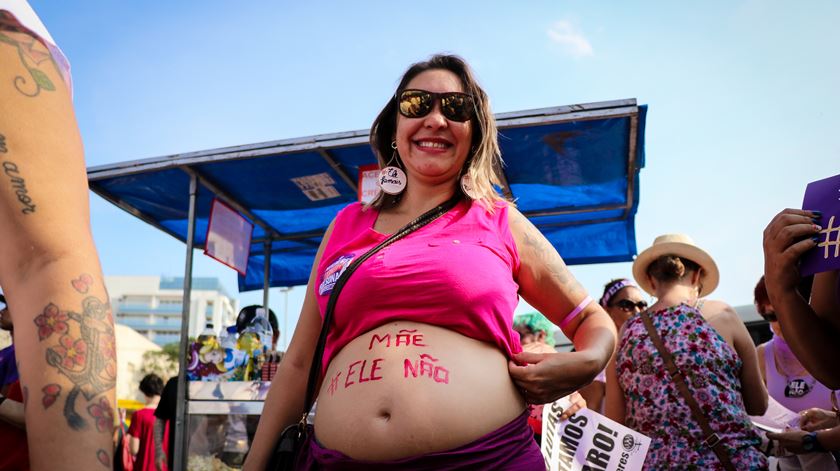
x: 682, y: 246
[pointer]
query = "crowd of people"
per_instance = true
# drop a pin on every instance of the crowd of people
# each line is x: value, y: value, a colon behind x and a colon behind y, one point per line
x: 419, y: 356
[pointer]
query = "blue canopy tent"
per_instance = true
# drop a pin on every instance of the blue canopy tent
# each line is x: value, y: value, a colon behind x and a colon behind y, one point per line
x: 572, y: 170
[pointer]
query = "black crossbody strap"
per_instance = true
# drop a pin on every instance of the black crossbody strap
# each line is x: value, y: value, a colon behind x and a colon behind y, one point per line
x: 317, y: 358
x: 711, y: 440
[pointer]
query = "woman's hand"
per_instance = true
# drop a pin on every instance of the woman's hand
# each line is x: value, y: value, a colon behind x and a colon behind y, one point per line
x: 790, y: 440
x: 786, y: 238
x: 546, y: 377
x: 817, y: 419
x: 577, y: 403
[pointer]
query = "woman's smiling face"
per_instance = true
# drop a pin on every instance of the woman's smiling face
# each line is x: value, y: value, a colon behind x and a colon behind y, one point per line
x: 433, y: 148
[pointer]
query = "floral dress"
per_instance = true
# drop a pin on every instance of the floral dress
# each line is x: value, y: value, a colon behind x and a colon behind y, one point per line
x: 655, y: 407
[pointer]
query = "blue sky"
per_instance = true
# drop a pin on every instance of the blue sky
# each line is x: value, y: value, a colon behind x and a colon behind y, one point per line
x: 743, y: 97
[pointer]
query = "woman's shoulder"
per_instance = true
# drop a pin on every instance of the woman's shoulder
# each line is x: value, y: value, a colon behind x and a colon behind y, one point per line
x: 354, y: 214
x: 355, y: 209
x: 718, y: 311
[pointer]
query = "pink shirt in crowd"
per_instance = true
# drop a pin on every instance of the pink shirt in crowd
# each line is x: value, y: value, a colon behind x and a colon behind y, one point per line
x: 459, y: 272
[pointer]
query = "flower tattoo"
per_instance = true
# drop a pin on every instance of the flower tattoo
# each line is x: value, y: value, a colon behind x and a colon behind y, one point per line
x: 52, y: 320
x: 51, y: 393
x: 83, y: 351
x: 73, y: 353
x: 103, y: 414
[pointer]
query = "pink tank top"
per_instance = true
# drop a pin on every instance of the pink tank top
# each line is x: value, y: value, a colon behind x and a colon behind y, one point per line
x: 458, y: 272
x: 797, y: 393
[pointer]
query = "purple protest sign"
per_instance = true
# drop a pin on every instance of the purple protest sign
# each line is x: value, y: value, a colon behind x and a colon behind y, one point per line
x: 823, y: 195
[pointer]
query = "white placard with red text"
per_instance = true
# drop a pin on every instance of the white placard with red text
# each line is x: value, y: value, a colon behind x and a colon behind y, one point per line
x: 368, y: 187
x: 588, y: 440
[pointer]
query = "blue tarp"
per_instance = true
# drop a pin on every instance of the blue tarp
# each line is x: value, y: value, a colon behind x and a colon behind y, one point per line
x: 573, y: 170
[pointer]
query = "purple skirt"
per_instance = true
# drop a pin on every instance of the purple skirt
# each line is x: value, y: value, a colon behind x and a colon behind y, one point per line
x: 511, y: 447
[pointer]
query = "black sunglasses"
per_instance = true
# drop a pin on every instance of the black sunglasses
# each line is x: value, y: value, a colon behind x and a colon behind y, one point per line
x: 627, y: 305
x: 453, y: 105
x: 769, y: 316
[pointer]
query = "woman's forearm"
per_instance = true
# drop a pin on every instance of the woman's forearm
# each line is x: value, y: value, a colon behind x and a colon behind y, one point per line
x: 283, y: 407
x: 830, y: 439
x: 49, y: 269
x: 595, y: 338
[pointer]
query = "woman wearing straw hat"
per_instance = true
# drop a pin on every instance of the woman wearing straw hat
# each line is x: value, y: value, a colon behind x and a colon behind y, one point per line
x: 703, y: 425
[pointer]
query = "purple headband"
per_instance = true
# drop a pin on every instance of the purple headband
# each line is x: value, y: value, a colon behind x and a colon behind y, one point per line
x: 620, y: 285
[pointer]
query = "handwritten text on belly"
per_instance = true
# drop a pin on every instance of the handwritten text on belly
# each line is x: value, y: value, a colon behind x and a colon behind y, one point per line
x: 368, y: 370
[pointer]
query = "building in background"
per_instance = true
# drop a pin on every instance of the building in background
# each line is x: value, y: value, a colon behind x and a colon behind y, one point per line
x: 151, y: 305
x: 131, y: 347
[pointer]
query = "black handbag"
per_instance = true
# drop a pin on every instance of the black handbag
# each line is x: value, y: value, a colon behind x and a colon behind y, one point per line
x: 287, y: 452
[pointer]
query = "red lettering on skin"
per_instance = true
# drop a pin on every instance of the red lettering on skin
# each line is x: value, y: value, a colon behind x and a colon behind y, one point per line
x: 362, y: 378
x: 374, y: 368
x: 443, y: 377
x: 410, y: 366
x: 386, y: 339
x: 426, y: 368
x: 405, y: 337
x: 350, y: 372
x: 334, y: 384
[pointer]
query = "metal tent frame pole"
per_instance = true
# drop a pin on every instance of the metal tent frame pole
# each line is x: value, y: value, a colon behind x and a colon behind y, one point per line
x: 180, y: 451
x: 266, y: 275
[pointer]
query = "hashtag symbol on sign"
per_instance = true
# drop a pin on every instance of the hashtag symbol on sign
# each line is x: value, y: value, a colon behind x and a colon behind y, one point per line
x: 828, y: 243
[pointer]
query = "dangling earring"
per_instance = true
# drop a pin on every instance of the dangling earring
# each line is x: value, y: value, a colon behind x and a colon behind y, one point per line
x: 392, y: 179
x: 467, y: 186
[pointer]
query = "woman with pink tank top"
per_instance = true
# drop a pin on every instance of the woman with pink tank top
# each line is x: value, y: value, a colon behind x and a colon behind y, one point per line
x: 422, y: 367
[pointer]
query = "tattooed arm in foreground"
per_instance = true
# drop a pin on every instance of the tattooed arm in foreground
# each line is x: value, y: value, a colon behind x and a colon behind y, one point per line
x: 547, y: 284
x: 49, y: 269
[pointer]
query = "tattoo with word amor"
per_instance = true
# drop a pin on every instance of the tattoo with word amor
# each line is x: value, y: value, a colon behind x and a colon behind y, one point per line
x: 32, y: 53
x: 81, y: 347
x: 19, y: 186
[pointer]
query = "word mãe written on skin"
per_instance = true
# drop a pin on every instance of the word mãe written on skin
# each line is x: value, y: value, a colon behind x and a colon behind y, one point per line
x: 363, y: 371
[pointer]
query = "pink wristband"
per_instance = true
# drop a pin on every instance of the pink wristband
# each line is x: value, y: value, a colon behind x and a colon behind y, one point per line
x: 570, y: 317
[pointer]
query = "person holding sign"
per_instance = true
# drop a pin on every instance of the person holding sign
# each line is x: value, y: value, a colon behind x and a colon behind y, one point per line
x: 811, y: 327
x: 422, y: 367
x: 714, y: 358
x: 788, y: 382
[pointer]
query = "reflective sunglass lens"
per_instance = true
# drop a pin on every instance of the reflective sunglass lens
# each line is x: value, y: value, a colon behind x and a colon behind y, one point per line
x: 457, y: 107
x: 453, y: 106
x: 414, y: 104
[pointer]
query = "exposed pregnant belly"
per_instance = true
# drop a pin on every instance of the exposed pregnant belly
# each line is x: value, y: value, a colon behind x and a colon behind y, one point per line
x: 406, y: 388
